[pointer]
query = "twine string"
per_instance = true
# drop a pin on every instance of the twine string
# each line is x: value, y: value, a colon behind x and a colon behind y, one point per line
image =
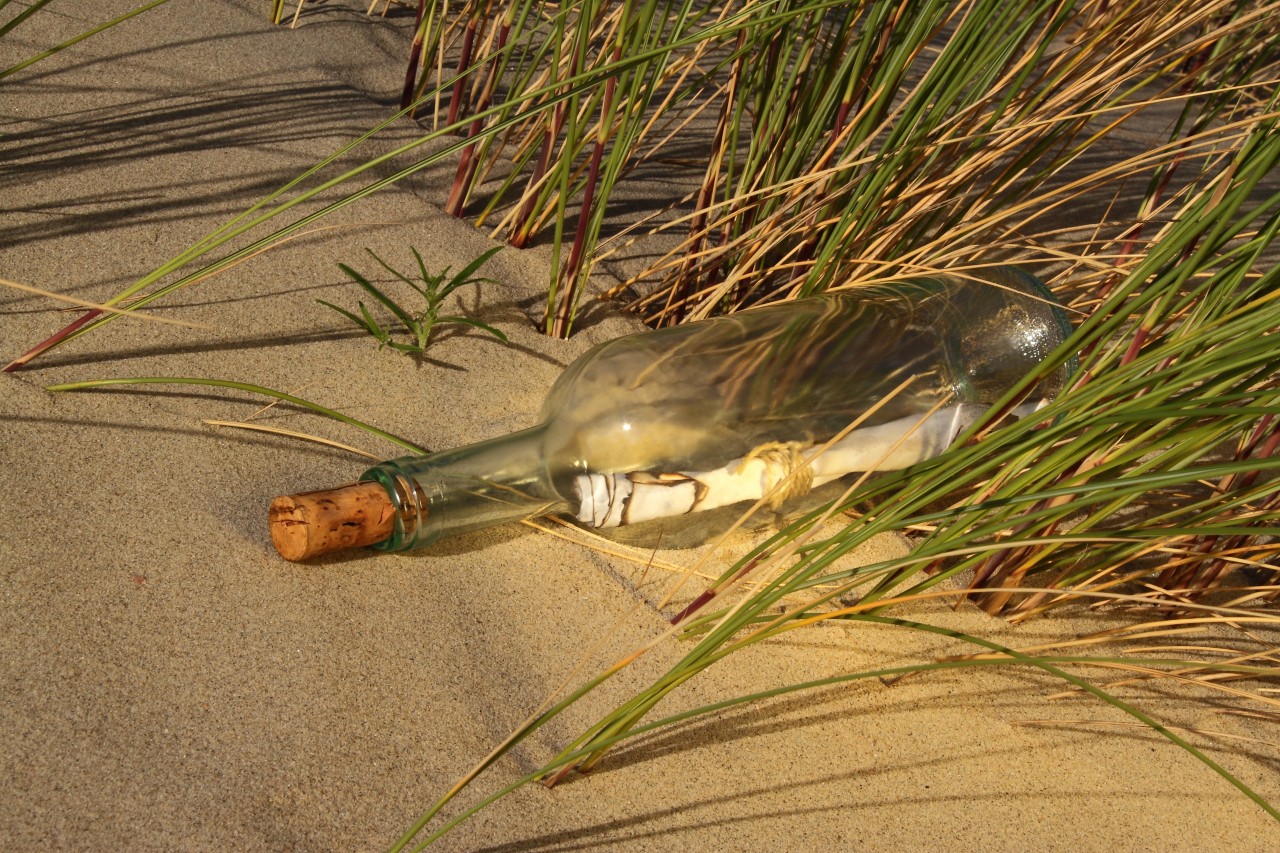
x: 787, y: 472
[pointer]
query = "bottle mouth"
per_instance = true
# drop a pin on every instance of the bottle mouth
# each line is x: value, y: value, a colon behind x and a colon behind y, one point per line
x: 411, y: 508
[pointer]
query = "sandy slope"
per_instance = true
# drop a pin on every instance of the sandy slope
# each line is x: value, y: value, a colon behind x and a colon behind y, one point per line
x: 167, y: 682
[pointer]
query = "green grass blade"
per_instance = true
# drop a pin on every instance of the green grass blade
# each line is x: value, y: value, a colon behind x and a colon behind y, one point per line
x: 91, y: 384
x: 465, y: 275
x: 119, y: 19
x: 365, y: 322
x: 468, y: 321
x: 386, y: 301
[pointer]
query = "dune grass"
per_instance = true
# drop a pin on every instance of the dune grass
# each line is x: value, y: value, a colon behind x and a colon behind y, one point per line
x: 904, y: 137
x: 847, y: 143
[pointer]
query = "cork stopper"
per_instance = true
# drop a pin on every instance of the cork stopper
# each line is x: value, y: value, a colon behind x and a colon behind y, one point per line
x: 313, y: 523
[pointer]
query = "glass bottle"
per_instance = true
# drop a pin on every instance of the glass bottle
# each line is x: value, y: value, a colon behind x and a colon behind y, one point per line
x: 718, y: 412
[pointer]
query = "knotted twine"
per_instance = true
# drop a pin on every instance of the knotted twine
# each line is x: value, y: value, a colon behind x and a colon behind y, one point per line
x: 787, y: 472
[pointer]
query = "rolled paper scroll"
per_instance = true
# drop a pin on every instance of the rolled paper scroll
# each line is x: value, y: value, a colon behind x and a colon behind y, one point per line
x: 612, y: 500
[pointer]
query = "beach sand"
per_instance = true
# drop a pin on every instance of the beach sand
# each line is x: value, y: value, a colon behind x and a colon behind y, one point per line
x: 169, y: 683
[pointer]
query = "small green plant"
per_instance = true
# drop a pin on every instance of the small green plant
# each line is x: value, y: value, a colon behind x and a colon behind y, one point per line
x: 434, y: 289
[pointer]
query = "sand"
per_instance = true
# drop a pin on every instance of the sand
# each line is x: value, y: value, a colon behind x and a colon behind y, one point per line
x: 169, y: 683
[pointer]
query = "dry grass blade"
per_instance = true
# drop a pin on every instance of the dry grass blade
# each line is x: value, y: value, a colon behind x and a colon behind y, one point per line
x: 94, y: 306
x: 1121, y: 724
x: 327, y: 442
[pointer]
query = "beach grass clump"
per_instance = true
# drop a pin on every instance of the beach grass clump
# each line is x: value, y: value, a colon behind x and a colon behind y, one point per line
x: 434, y: 288
x: 851, y: 141
x: 936, y: 134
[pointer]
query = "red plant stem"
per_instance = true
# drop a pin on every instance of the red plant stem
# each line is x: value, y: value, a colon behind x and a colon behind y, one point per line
x: 711, y: 592
x: 468, y: 162
x: 411, y: 73
x: 49, y: 343
x: 559, y: 775
x: 525, y: 221
x: 560, y: 328
x: 695, y: 605
x: 1135, y: 346
x: 522, y: 229
x: 1268, y: 448
x: 466, y: 168
x: 468, y: 43
x: 569, y: 284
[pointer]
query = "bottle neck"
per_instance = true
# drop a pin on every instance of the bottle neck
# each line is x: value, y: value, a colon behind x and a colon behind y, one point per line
x: 493, y: 482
